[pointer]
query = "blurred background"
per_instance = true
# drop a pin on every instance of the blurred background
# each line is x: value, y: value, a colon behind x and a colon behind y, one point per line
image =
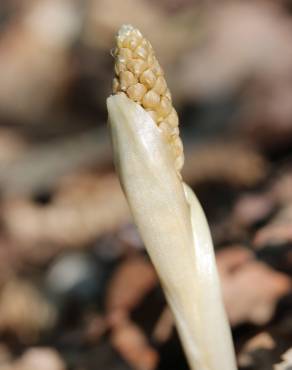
x: 77, y: 290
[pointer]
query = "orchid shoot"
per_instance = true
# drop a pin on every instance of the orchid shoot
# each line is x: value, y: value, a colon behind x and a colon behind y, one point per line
x: 148, y: 157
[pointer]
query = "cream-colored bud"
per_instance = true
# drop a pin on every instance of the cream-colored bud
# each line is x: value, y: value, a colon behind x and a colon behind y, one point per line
x: 136, y: 66
x: 164, y: 107
x: 135, y: 62
x: 151, y: 99
x: 160, y: 85
x: 136, y: 92
x: 127, y: 79
x: 148, y: 78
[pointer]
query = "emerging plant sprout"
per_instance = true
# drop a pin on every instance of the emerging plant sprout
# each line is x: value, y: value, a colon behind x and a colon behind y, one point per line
x: 149, y: 156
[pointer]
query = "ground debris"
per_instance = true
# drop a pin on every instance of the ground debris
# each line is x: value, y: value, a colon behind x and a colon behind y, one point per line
x: 133, y: 346
x: 260, y: 286
x: 262, y: 340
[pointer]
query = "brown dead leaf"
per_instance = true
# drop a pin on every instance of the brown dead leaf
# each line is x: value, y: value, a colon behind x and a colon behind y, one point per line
x: 250, y: 288
x: 95, y: 328
x: 11, y: 146
x: 163, y: 328
x: 248, y: 166
x: 91, y: 208
x: 132, y: 280
x: 256, y: 46
x: 273, y: 234
x: 24, y: 311
x: 5, y: 356
x: 232, y: 258
x: 252, y: 208
x: 262, y: 340
x: 131, y: 343
x: 279, y: 230
x: 282, y: 188
x: 33, y: 55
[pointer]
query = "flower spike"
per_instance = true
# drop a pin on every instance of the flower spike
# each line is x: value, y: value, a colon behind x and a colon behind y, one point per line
x: 148, y: 157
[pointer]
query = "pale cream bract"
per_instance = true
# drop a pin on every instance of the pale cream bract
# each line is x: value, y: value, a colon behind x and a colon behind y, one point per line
x: 175, y: 232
